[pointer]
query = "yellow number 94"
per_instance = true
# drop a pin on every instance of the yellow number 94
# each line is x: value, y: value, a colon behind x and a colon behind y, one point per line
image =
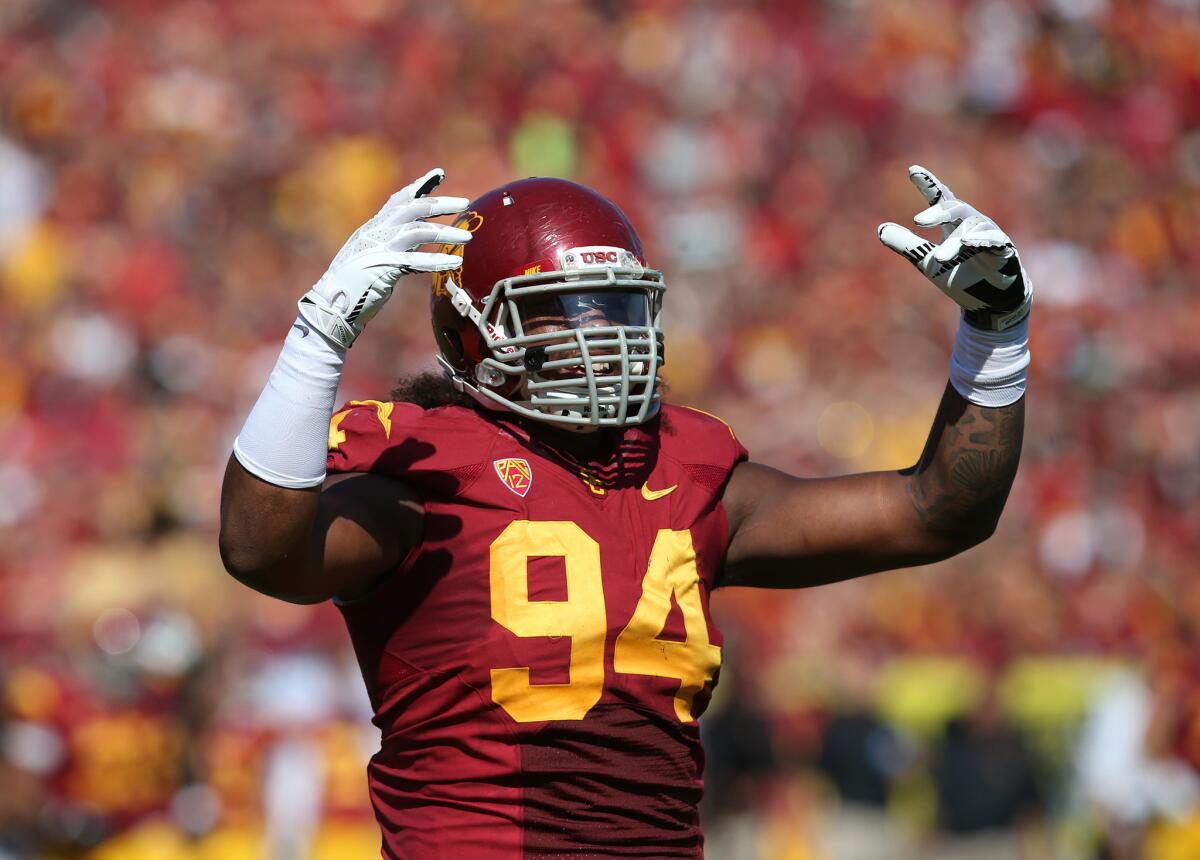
x: 639, y: 649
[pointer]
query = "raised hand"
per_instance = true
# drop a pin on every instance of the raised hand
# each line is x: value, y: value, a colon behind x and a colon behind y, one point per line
x: 361, y: 277
x: 975, y: 264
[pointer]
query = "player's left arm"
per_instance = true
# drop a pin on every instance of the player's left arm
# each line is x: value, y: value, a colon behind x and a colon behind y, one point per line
x: 788, y: 532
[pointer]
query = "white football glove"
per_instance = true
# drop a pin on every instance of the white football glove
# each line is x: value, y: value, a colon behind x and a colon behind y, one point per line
x: 976, y: 263
x: 361, y: 277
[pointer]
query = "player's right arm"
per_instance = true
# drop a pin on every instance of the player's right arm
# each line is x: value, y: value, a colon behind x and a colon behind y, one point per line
x: 309, y: 544
x: 284, y: 531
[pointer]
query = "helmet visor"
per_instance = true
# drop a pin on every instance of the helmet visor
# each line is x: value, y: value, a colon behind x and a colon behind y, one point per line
x: 559, y: 311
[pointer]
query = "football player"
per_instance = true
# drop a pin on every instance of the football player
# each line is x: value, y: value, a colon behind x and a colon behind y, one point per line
x: 525, y: 560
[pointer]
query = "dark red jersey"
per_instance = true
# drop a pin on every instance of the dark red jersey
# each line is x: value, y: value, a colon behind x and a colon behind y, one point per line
x: 538, y: 661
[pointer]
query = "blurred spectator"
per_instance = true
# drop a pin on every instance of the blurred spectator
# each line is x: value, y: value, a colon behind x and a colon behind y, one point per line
x: 987, y: 789
x: 1137, y: 759
x: 864, y: 757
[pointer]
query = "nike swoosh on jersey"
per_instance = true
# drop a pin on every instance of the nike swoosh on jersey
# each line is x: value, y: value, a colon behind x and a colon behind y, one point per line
x: 650, y: 495
x: 304, y: 330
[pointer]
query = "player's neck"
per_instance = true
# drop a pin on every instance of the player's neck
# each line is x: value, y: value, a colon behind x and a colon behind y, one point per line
x: 581, y: 448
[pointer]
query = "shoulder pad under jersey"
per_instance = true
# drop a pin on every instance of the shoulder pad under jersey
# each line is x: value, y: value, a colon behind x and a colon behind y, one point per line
x: 404, y: 441
x: 703, y: 444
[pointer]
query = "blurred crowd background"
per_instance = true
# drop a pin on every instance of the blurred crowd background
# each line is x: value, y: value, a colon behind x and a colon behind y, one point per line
x: 174, y: 174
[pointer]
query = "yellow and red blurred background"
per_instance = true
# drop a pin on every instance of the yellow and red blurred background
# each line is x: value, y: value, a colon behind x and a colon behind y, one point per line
x: 173, y: 175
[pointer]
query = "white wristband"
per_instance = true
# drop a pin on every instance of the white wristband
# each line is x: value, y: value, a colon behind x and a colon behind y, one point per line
x: 989, y: 368
x: 285, y: 438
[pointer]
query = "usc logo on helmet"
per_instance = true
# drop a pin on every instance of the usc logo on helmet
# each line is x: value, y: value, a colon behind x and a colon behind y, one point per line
x: 595, y: 257
x: 469, y: 221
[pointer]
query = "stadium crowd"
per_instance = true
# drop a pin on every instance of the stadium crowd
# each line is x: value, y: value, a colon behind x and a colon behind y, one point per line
x: 174, y: 175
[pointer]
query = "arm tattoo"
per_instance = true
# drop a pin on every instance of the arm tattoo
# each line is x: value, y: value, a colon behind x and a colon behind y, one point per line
x: 963, y: 477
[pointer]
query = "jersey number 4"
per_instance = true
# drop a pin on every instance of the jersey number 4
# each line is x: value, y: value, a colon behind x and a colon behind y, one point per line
x: 581, y: 617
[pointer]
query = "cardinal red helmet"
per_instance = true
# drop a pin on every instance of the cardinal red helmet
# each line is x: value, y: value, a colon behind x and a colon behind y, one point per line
x: 553, y: 314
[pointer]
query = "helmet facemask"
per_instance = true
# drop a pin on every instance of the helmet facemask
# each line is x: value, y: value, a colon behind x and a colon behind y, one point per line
x: 585, y: 344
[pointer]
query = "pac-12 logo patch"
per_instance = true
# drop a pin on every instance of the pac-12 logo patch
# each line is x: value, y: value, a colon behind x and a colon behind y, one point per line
x: 516, y: 474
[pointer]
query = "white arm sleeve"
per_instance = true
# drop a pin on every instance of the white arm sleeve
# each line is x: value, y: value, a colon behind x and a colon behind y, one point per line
x: 285, y: 438
x: 989, y: 368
